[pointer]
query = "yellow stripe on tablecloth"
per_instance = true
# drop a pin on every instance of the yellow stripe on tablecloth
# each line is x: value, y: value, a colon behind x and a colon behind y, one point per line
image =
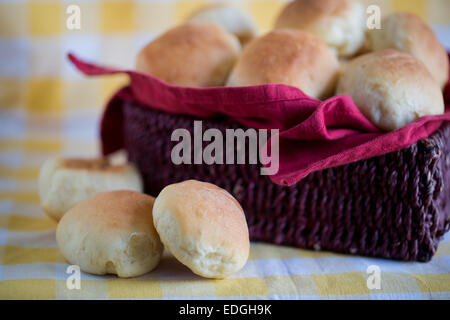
x: 45, y: 18
x: 241, y: 287
x: 57, y: 93
x: 265, y: 12
x: 28, y: 289
x: 89, y: 289
x: 110, y: 84
x: 299, y: 284
x: 188, y: 288
x: 11, y: 255
x: 4, y: 221
x: 134, y: 289
x: 45, y: 95
x: 433, y: 282
x: 29, y: 197
x: 16, y: 222
x: 341, y: 283
x: 43, y: 145
x: 24, y: 173
x: 418, y: 7
x: 395, y: 282
x: 117, y: 16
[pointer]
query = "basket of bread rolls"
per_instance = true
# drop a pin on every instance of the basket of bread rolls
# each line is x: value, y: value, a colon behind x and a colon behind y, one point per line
x: 364, y: 135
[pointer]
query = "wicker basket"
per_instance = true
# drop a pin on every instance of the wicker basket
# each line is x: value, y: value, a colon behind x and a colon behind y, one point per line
x: 395, y: 206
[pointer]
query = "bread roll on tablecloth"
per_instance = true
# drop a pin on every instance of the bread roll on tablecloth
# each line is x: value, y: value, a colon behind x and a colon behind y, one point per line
x: 203, y: 226
x: 195, y: 54
x: 291, y: 57
x: 65, y: 182
x: 391, y: 88
x: 111, y: 233
x: 407, y: 32
x: 340, y: 23
x: 231, y: 18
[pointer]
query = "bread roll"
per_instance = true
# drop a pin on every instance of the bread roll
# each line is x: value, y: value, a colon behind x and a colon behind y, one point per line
x: 391, y: 88
x: 203, y: 226
x: 194, y: 55
x: 407, y: 32
x: 111, y: 233
x: 340, y: 23
x: 291, y: 57
x: 65, y: 182
x: 231, y: 18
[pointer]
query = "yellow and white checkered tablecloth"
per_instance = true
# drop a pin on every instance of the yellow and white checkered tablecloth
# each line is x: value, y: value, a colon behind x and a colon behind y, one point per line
x: 48, y: 109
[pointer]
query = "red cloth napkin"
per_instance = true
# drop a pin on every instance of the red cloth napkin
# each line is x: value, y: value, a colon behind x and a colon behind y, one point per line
x: 314, y: 134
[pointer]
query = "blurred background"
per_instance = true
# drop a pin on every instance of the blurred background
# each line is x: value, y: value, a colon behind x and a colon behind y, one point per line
x: 47, y: 107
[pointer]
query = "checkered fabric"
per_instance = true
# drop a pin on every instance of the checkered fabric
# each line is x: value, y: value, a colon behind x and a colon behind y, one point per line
x: 48, y: 109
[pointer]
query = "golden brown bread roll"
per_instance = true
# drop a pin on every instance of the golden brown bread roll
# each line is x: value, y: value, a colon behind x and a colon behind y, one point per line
x: 407, y: 32
x: 203, y: 226
x: 340, y: 23
x: 195, y: 54
x: 65, y: 182
x: 231, y: 18
x: 291, y: 57
x: 391, y: 88
x: 111, y: 233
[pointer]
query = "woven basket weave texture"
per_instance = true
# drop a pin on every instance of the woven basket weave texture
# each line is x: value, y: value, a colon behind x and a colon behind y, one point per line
x: 395, y: 206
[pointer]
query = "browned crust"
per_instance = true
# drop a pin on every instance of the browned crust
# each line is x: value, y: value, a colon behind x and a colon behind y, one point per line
x: 193, y: 54
x: 287, y: 56
x: 97, y: 164
x: 303, y: 13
